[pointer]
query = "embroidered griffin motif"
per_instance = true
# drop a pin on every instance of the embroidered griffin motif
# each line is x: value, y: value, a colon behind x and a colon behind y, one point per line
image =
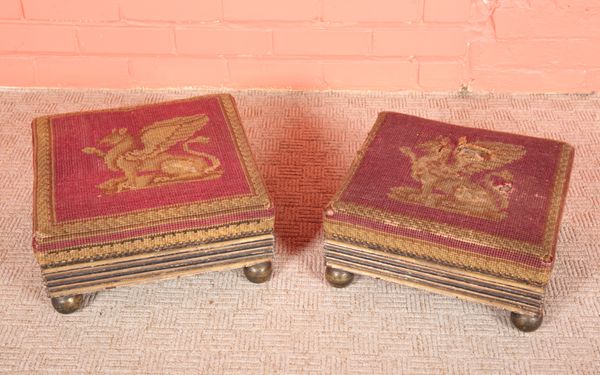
x: 148, y: 160
x: 461, y: 177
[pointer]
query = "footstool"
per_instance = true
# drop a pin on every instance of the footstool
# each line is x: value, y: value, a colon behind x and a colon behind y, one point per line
x: 465, y: 212
x: 130, y: 195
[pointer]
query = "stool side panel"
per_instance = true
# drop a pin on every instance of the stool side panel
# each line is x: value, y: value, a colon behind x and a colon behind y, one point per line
x: 492, y: 261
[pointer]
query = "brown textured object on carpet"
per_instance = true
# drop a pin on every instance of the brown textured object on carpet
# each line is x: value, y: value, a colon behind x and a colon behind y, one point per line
x: 131, y: 195
x: 467, y: 212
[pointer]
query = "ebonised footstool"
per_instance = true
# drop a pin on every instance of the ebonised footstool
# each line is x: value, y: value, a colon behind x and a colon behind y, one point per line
x: 130, y: 195
x: 466, y: 212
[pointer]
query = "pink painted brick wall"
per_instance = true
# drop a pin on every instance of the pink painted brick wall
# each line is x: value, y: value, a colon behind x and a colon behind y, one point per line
x: 484, y: 45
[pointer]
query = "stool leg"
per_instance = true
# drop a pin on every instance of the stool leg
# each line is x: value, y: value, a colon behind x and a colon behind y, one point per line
x: 338, y: 278
x: 259, y: 273
x: 526, y: 323
x: 67, y: 304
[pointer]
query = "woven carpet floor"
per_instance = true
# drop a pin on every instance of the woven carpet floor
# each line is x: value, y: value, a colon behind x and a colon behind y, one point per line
x: 219, y: 323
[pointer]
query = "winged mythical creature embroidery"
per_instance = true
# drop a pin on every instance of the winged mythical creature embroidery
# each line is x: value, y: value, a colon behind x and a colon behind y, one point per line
x: 148, y: 160
x: 461, y: 177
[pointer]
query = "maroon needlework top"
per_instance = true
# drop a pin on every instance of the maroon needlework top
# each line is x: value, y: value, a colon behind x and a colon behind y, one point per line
x: 77, y: 176
x: 477, y: 179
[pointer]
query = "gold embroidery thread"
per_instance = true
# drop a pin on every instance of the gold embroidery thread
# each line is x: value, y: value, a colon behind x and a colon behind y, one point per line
x: 461, y: 177
x: 153, y: 164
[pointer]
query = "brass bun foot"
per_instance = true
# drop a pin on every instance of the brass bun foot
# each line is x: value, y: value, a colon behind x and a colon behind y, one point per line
x: 259, y: 273
x: 67, y: 304
x: 338, y: 278
x: 526, y: 323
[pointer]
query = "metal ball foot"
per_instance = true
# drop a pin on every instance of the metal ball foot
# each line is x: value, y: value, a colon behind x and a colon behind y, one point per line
x: 67, y: 304
x: 259, y: 273
x: 338, y: 278
x: 526, y: 323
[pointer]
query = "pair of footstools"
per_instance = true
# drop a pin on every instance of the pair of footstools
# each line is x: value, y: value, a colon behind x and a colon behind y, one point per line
x: 130, y: 195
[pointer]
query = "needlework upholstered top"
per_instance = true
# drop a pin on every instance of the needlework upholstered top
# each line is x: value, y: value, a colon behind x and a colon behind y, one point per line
x: 475, y: 199
x: 133, y: 180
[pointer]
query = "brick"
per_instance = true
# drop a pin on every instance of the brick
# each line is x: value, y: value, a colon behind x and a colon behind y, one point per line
x: 545, y: 23
x: 321, y: 42
x: 540, y: 4
x: 583, y: 52
x: 37, y: 38
x: 592, y: 81
x: 202, y: 41
x: 527, y: 80
x: 10, y: 9
x: 178, y: 71
x: 526, y: 52
x: 371, y: 75
x: 82, y: 71
x: 171, y: 10
x: 276, y: 74
x: 441, y: 76
x: 125, y: 40
x: 77, y: 10
x: 371, y: 11
x: 17, y: 71
x: 272, y: 10
x: 421, y: 41
x: 446, y: 11
x: 585, y: 5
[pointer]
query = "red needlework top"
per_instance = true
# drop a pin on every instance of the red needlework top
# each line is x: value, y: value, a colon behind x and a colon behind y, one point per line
x: 112, y: 162
x: 166, y: 161
x: 453, y: 181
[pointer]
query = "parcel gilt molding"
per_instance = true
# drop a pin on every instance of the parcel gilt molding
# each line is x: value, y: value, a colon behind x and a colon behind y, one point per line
x: 437, y: 228
x: 456, y: 257
x: 154, y: 243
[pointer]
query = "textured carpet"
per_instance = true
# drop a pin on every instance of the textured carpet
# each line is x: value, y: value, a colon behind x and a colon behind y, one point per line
x: 219, y: 323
